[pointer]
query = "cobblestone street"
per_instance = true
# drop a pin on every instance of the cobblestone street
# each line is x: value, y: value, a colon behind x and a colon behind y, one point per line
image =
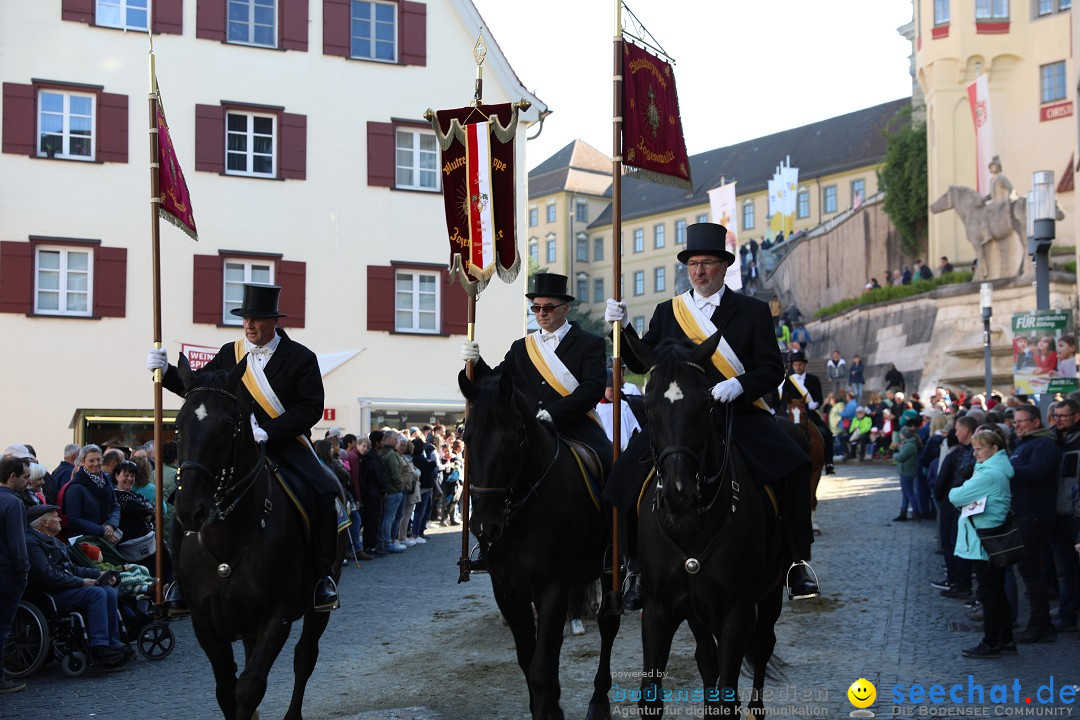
x: 412, y: 643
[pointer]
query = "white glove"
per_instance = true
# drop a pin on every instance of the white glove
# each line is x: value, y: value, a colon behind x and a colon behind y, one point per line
x: 615, y: 311
x: 470, y: 350
x: 157, y: 359
x: 545, y: 417
x: 258, y: 432
x: 812, y: 405
x: 727, y: 390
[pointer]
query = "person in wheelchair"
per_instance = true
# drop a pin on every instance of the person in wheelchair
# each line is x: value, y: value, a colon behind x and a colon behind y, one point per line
x: 87, y: 590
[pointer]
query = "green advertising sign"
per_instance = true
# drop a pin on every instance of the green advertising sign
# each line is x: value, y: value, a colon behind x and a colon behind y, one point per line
x: 1044, y: 352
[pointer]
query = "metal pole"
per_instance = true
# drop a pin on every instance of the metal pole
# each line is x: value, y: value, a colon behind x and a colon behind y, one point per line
x: 986, y: 352
x: 616, y: 272
x: 1042, y: 278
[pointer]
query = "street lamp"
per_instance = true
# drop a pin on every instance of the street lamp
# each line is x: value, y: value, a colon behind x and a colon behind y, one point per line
x: 986, y: 296
x: 1041, y: 221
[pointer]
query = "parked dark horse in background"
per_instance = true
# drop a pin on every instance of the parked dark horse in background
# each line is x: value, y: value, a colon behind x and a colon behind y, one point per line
x: 540, y: 533
x: 245, y: 566
x: 710, y: 547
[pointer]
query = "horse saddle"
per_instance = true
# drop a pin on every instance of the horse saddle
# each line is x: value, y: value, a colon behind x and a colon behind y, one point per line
x: 305, y: 499
x: 591, y: 470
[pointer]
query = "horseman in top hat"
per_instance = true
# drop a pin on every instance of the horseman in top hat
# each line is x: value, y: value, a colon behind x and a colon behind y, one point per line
x: 752, y: 368
x: 291, y: 372
x: 561, y: 369
x: 806, y: 387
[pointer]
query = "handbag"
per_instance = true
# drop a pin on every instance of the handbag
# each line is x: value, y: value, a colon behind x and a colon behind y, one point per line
x: 1003, y: 543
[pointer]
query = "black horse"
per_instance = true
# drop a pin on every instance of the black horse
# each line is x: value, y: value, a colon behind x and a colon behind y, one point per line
x: 244, y: 565
x: 710, y: 548
x: 540, y: 533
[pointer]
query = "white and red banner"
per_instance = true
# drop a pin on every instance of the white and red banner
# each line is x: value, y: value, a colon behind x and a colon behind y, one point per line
x: 478, y: 174
x: 979, y: 100
x: 198, y: 355
x: 724, y: 211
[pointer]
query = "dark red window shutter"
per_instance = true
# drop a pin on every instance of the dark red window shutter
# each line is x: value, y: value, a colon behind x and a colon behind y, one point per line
x: 292, y: 277
x: 380, y: 298
x: 168, y: 16
x: 20, y: 123
x: 210, y: 20
x: 110, y: 282
x: 337, y: 18
x: 380, y: 154
x: 16, y: 277
x: 294, y: 24
x: 112, y: 128
x: 210, y: 138
x: 293, y: 146
x: 413, y: 33
x: 207, y: 291
x: 78, y: 11
x: 455, y: 307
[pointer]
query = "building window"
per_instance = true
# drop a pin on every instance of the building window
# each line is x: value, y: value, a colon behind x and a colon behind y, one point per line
x: 581, y: 211
x: 374, y: 31
x: 551, y: 249
x: 748, y: 215
x: 803, y: 204
x: 702, y: 218
x: 858, y: 192
x: 582, y: 248
x: 416, y: 301
x: 126, y: 14
x: 249, y: 144
x: 598, y: 290
x: 941, y: 12
x: 680, y: 232
x: 238, y: 272
x: 65, y: 125
x: 658, y: 236
x: 1052, y: 82
x: 417, y: 158
x: 582, y: 287
x: 534, y: 217
x: 639, y: 324
x: 598, y: 249
x: 639, y: 240
x: 1046, y: 7
x: 62, y: 282
x: 639, y: 282
x: 551, y: 212
x: 830, y: 199
x: 991, y: 9
x: 660, y: 279
x: 253, y: 22
x: 534, y: 251
x: 682, y: 279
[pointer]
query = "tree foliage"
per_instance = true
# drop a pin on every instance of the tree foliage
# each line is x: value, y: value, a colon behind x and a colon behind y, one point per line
x: 904, y: 180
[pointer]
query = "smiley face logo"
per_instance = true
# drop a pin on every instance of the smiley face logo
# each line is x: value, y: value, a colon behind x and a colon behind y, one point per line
x: 862, y: 693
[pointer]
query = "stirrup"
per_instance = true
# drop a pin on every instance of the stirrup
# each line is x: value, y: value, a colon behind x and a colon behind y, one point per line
x: 325, y: 606
x: 804, y: 596
x: 477, y: 561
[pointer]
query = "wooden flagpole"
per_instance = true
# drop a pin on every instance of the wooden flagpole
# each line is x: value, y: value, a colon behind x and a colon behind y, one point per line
x: 155, y: 253
x: 616, y: 274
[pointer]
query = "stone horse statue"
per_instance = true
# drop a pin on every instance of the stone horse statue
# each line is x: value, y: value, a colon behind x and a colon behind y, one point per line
x: 998, y: 225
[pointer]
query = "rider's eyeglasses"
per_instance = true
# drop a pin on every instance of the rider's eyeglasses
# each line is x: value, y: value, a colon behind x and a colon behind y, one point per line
x: 546, y: 308
x: 703, y: 264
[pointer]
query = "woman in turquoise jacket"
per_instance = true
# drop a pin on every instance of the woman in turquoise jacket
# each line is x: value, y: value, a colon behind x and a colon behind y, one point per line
x: 990, y: 481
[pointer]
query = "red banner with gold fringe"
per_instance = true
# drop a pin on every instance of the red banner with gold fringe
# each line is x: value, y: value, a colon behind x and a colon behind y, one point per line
x: 652, y: 136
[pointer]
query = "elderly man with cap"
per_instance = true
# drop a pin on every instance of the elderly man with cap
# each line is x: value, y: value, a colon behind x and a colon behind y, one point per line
x: 801, y: 385
x: 292, y: 372
x: 89, y: 590
x: 560, y: 369
x: 756, y: 369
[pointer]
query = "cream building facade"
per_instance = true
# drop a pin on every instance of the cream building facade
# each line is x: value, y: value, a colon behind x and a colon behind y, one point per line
x: 299, y: 125
x: 1027, y: 50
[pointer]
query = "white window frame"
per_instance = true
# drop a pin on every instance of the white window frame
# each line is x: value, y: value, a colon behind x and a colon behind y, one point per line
x: 417, y: 156
x: 1045, y: 80
x: 551, y: 212
x: 825, y: 199
x: 941, y: 12
x: 858, y: 189
x: 552, y: 249
x: 250, y: 23
x: 989, y: 10
x: 534, y: 250
x: 659, y: 236
x: 415, y: 294
x: 680, y: 232
x: 660, y: 279
x: 748, y: 219
x: 581, y: 247
x: 598, y: 249
x: 598, y: 290
x: 703, y: 218
x: 122, y: 6
x: 581, y: 211
x: 639, y: 240
x: 373, y: 25
x: 802, y: 203
x: 582, y: 287
x: 534, y: 216
x: 249, y: 140
x: 65, y: 132
x: 64, y: 275
x: 639, y: 282
x: 248, y: 264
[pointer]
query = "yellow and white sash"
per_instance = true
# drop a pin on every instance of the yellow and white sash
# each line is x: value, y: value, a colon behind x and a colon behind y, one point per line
x: 799, y: 386
x: 258, y: 386
x: 699, y: 327
x: 552, y: 369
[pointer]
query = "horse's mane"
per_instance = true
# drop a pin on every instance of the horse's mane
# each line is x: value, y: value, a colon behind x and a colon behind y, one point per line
x: 487, y: 412
x: 669, y: 355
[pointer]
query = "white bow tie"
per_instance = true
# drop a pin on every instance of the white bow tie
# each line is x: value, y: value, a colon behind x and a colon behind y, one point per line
x: 712, y: 300
x: 549, y: 337
x: 260, y: 351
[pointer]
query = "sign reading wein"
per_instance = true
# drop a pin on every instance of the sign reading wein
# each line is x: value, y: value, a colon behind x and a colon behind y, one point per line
x: 198, y: 355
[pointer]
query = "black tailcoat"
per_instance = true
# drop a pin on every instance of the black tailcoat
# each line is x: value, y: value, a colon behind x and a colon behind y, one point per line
x: 584, y: 355
x: 812, y: 385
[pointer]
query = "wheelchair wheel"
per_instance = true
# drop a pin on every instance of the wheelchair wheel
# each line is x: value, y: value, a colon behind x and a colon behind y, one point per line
x: 156, y: 641
x: 28, y: 646
x: 74, y: 664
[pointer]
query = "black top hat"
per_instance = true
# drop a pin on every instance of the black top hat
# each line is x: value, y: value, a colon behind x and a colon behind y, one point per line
x: 706, y: 239
x: 35, y: 511
x: 549, y: 285
x: 260, y: 301
x: 799, y: 356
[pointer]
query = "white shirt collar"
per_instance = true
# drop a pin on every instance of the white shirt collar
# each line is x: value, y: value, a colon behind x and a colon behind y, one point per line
x: 560, y: 333
x: 714, y: 299
x: 266, y: 350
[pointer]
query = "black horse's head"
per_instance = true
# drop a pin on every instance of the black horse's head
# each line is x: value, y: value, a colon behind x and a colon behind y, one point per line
x: 498, y: 429
x: 678, y: 403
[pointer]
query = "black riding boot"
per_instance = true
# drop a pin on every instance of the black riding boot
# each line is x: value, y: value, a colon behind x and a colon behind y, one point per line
x: 324, y: 539
x: 174, y: 601
x: 794, y: 498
